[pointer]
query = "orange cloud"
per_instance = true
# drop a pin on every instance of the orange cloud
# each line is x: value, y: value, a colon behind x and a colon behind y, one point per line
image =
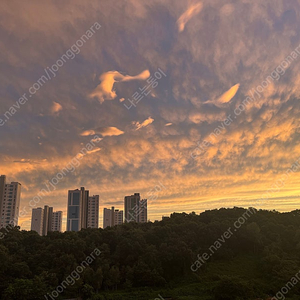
x: 104, y: 91
x: 104, y: 131
x: 56, y: 107
x: 143, y: 124
x: 227, y: 96
x: 187, y: 15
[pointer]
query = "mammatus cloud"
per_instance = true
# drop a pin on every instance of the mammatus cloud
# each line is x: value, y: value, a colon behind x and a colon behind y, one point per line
x: 235, y: 42
x: 56, y: 107
x: 104, y: 91
x: 104, y: 131
x: 188, y: 14
x: 227, y: 96
x: 143, y: 124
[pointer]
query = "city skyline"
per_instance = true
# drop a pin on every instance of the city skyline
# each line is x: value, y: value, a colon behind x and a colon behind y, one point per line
x: 83, y: 210
x: 153, y: 194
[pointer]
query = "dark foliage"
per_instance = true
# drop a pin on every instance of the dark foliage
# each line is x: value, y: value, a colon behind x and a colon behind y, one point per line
x: 256, y: 261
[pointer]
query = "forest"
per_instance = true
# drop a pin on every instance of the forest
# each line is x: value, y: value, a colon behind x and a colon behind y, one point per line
x: 155, y: 260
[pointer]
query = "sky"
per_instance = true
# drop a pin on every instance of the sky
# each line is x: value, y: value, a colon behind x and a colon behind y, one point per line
x: 193, y: 104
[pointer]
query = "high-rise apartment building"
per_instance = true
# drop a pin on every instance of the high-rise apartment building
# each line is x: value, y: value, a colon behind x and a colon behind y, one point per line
x: 50, y: 219
x: 143, y: 214
x: 2, y: 188
x: 107, y: 217
x: 10, y: 195
x: 47, y: 220
x: 135, y: 208
x: 44, y: 220
x: 112, y: 217
x: 84, y: 208
x: 57, y: 221
x: 93, y: 212
x: 118, y: 217
x: 80, y: 213
x: 37, y: 220
x: 75, y: 207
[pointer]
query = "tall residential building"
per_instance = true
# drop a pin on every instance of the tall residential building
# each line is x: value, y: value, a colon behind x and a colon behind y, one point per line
x: 112, y: 217
x: 143, y: 215
x: 93, y: 212
x: 37, y: 220
x: 79, y: 215
x: 50, y: 219
x: 74, y: 210
x: 44, y: 220
x: 10, y: 195
x: 118, y: 218
x: 135, y: 208
x: 48, y: 211
x: 106, y: 217
x: 2, y: 187
x: 57, y: 221
x: 84, y: 207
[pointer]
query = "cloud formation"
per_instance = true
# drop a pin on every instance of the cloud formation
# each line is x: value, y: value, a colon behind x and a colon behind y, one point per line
x: 104, y: 131
x: 226, y: 43
x: 188, y: 14
x: 104, y: 91
x: 56, y: 107
x: 89, y: 152
x: 227, y: 96
x: 145, y: 123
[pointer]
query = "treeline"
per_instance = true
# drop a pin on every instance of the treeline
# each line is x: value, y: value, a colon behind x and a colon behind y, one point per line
x: 255, y: 261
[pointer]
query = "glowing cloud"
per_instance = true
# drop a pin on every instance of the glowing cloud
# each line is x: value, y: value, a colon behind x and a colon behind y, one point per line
x: 56, y: 107
x: 188, y: 14
x: 90, y: 152
x: 104, y: 91
x: 143, y: 124
x: 227, y: 96
x: 23, y: 161
x: 104, y: 131
x: 109, y: 131
x: 88, y: 132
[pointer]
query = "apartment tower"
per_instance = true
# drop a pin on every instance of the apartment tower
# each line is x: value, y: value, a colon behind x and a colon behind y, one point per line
x: 112, y: 217
x: 10, y: 194
x: 135, y: 208
x: 83, y: 211
x: 37, y: 220
x: 93, y: 212
x: 57, y: 221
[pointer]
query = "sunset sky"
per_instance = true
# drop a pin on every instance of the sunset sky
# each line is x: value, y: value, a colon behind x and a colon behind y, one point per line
x: 211, y: 55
